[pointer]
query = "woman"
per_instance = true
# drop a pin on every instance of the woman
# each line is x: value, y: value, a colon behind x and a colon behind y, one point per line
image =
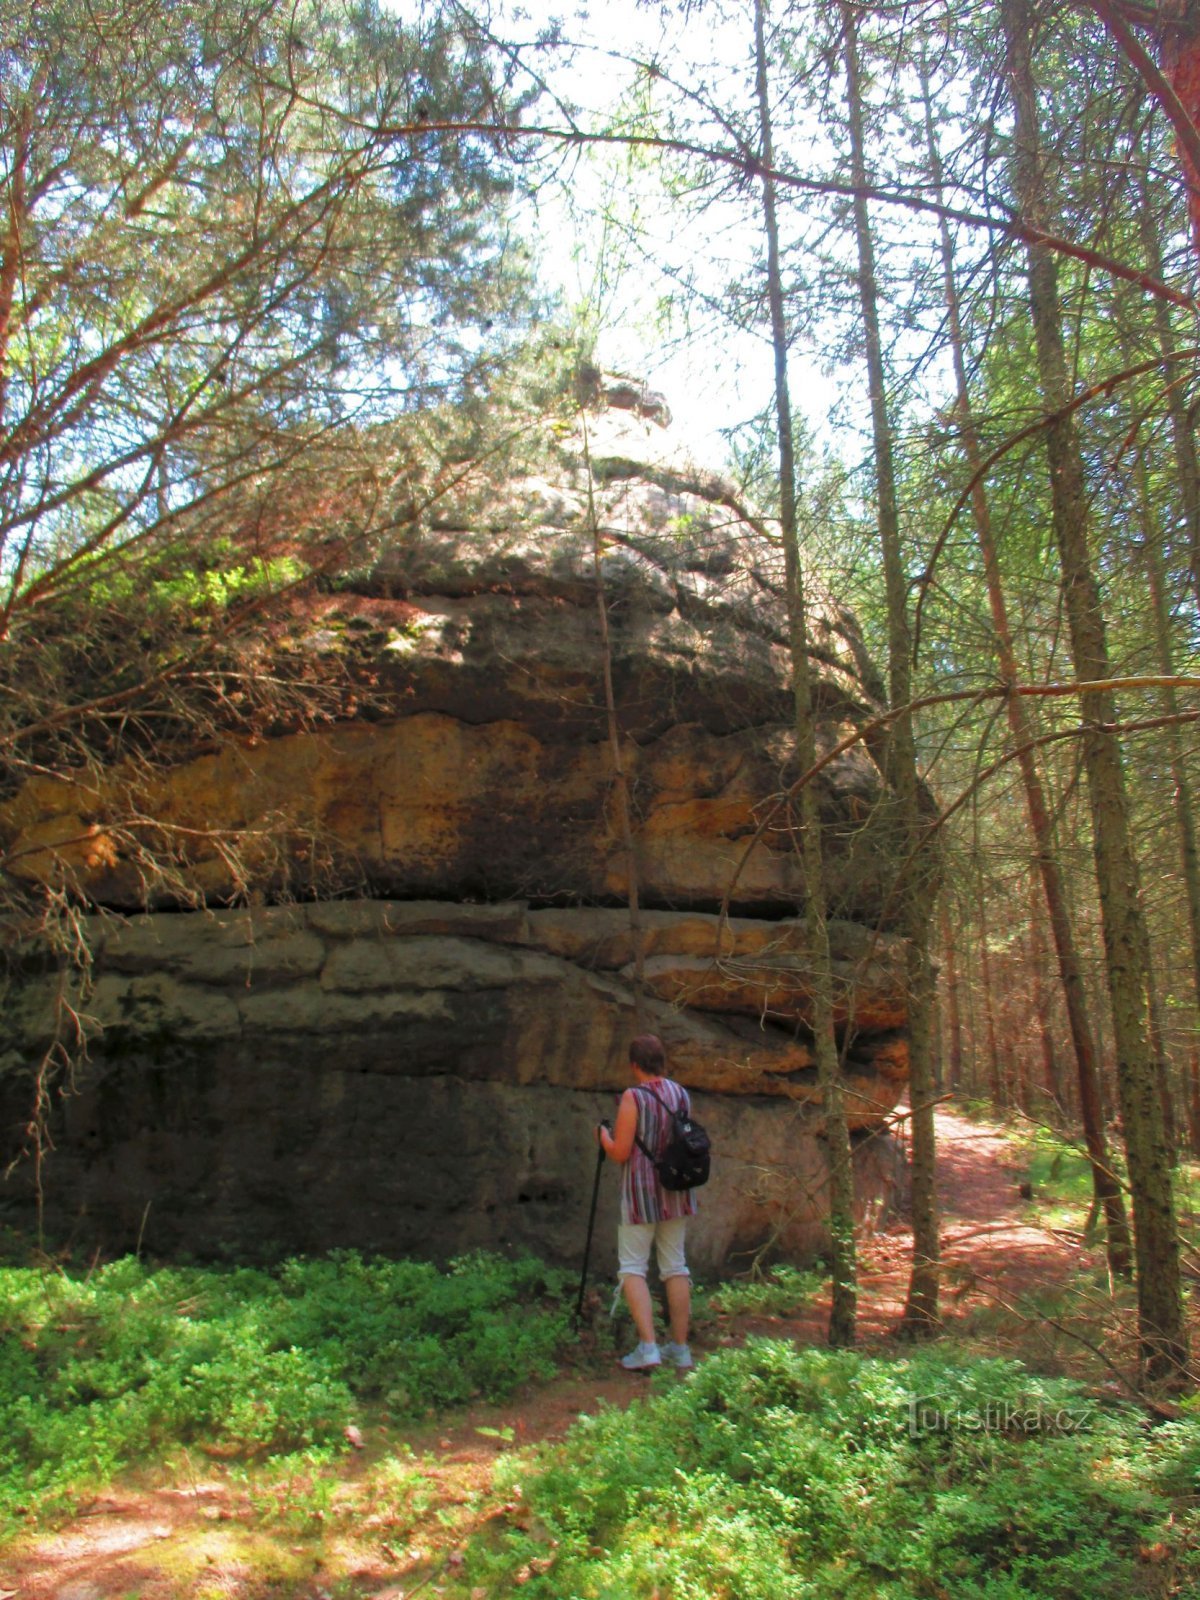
x: 650, y: 1214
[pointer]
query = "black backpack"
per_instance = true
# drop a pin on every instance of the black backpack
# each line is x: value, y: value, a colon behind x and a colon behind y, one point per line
x: 685, y: 1157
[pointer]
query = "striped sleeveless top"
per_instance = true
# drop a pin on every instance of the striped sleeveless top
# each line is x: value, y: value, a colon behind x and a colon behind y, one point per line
x: 643, y: 1198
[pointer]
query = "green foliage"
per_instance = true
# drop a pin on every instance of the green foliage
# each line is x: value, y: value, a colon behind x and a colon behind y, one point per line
x: 777, y: 1472
x: 222, y: 579
x: 1059, y: 1173
x: 1187, y: 1187
x: 782, y: 1290
x: 420, y: 1338
x: 97, y: 1374
x: 225, y: 371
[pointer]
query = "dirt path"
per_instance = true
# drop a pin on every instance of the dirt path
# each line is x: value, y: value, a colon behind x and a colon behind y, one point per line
x: 991, y: 1254
x: 400, y: 1507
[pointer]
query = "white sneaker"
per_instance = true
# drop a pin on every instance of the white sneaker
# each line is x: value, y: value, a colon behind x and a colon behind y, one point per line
x: 680, y: 1354
x: 642, y: 1358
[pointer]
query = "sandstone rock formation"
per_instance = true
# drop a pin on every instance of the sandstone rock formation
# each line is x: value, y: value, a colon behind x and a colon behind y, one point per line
x: 418, y: 1063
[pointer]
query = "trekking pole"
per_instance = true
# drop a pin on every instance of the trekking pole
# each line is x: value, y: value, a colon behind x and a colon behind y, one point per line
x: 587, y: 1249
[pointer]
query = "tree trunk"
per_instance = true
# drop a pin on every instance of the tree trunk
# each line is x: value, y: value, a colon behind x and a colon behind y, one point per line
x: 620, y: 777
x: 1179, y: 30
x: 1183, y: 442
x: 1162, y: 1063
x: 1051, y: 1082
x: 915, y: 892
x: 1160, y: 1309
x: 842, y: 1314
x: 1184, y: 807
x: 1105, y: 1187
x: 953, y: 1003
x: 995, y: 1074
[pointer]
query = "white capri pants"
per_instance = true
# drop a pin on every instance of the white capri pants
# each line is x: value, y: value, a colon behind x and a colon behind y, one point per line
x: 633, y: 1248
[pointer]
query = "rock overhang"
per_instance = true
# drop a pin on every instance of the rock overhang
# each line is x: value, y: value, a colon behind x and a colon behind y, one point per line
x: 482, y: 772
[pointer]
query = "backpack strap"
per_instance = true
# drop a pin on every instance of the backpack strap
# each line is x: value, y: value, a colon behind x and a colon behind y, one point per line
x: 685, y: 1110
x: 637, y: 1139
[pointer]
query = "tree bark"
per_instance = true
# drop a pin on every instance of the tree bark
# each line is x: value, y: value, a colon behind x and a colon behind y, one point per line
x: 1183, y: 804
x: 995, y: 1075
x: 916, y: 891
x: 1182, y: 798
x: 1187, y: 462
x: 843, y: 1306
x: 1106, y: 1188
x: 1161, y: 1327
x: 1051, y: 1080
x: 953, y: 1001
x: 620, y: 777
x: 13, y: 245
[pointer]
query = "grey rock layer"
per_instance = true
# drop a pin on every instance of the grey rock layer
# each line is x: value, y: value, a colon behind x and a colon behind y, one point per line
x: 420, y: 1062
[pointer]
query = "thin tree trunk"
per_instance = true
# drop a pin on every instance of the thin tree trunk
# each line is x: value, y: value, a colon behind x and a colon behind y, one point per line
x: 620, y: 776
x: 1021, y: 1043
x: 916, y: 892
x: 13, y: 244
x: 953, y: 1002
x: 1159, y: 1286
x: 971, y: 993
x: 1187, y: 463
x: 1162, y: 1062
x: 1051, y: 1081
x: 1184, y: 807
x: 1156, y: 581
x: 1179, y: 34
x: 843, y: 1307
x: 1105, y: 1186
x: 1184, y: 804
x: 936, y: 1033
x: 995, y: 1074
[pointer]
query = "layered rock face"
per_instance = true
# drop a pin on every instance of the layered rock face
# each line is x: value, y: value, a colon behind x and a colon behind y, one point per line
x: 419, y: 1063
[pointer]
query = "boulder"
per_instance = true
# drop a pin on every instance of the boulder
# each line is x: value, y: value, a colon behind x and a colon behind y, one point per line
x: 409, y: 1049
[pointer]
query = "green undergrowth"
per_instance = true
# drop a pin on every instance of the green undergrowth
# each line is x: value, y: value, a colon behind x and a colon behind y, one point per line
x: 1187, y: 1190
x: 778, y: 1292
x: 777, y: 1473
x: 976, y: 1108
x: 1058, y: 1172
x: 1055, y: 1166
x: 771, y: 1472
x: 120, y: 1367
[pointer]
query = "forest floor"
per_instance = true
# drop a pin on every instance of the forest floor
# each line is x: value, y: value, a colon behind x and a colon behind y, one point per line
x: 389, y: 1519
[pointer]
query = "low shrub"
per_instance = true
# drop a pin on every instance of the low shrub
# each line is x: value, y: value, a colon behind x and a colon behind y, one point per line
x: 776, y: 1472
x: 100, y: 1372
x: 1058, y: 1170
x: 780, y: 1291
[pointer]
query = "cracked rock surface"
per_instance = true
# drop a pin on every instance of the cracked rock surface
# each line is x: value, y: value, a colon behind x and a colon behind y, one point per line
x: 416, y: 1060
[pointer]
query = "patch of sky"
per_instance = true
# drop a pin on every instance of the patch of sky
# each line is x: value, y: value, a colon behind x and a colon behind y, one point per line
x: 658, y: 264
